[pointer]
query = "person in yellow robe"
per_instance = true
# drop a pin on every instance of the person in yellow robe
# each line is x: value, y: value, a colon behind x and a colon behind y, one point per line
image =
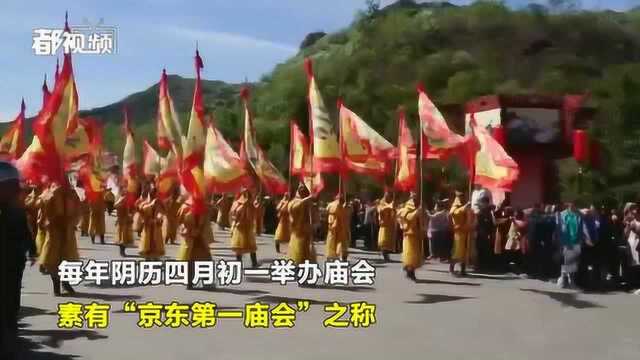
x: 209, y: 229
x: 337, y: 229
x: 151, y: 246
x: 387, y: 225
x: 85, y: 216
x: 409, y: 217
x: 41, y: 231
x: 124, y: 222
x: 283, y: 230
x: 301, y: 240
x: 138, y: 221
x: 243, y: 219
x: 213, y: 209
x: 463, y: 222
x: 259, y: 205
x: 96, y: 218
x: 224, y: 207
x: 31, y: 207
x: 170, y: 225
x: 195, y: 245
x: 60, y: 206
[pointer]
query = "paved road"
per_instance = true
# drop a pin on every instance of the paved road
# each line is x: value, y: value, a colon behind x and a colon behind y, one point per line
x: 440, y: 317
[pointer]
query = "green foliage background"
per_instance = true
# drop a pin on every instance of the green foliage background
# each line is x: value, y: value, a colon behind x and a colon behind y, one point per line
x: 458, y: 53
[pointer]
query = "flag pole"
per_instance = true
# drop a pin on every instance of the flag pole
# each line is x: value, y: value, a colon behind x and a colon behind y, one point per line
x: 395, y: 176
x: 420, y: 179
x: 341, y: 184
x: 291, y: 122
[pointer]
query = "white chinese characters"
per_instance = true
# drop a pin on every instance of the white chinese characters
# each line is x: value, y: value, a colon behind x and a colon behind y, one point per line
x: 81, y: 40
x: 210, y: 273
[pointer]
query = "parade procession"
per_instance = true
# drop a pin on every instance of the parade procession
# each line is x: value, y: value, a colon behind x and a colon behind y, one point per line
x: 190, y: 206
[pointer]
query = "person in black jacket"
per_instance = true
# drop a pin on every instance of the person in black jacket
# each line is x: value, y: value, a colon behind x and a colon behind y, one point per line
x: 16, y: 241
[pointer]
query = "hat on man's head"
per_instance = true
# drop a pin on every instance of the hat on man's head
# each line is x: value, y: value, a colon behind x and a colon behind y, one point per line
x: 8, y: 172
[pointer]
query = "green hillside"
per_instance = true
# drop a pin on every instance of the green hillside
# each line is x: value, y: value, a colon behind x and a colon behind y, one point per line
x: 458, y: 53
x: 142, y: 107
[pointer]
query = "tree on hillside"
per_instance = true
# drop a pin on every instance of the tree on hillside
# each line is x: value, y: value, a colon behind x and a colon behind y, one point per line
x: 311, y: 39
x: 558, y: 6
x: 373, y: 6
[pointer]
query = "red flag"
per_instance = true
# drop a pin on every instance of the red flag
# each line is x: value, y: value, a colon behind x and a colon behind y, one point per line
x: 92, y: 182
x: 196, y: 136
x: 439, y: 142
x: 299, y: 151
x: 249, y: 149
x: 494, y: 168
x: 58, y: 119
x: 169, y: 131
x: 324, y: 138
x: 301, y: 161
x: 150, y: 160
x: 46, y: 94
x: 364, y: 150
x: 57, y: 74
x: 85, y: 141
x: 270, y: 177
x: 129, y: 163
x: 224, y: 170
x: 12, y: 142
x: 406, y: 168
x: 168, y: 175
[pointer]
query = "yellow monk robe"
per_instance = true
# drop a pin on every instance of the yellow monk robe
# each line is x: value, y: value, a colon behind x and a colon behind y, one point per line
x: 208, y: 235
x: 60, y: 208
x: 170, y: 225
x: 124, y: 222
x: 463, y: 244
x: 194, y: 246
x: 96, y: 217
x: 243, y: 218
x: 412, y: 253
x: 283, y: 230
x: 386, y: 221
x: 138, y: 220
x: 224, y: 207
x: 259, y: 217
x: 151, y: 244
x: 337, y: 230
x: 301, y: 240
x: 31, y: 207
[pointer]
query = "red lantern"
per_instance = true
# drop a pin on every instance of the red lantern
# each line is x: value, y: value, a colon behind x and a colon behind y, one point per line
x: 580, y: 146
x: 499, y: 134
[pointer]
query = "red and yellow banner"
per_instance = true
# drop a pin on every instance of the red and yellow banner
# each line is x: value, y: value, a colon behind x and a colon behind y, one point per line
x: 196, y: 136
x: 12, y: 142
x: 494, y: 168
x: 301, y: 161
x: 224, y: 171
x: 364, y: 150
x: 169, y: 131
x: 324, y: 139
x: 439, y: 142
x: 129, y: 163
x: 406, y: 168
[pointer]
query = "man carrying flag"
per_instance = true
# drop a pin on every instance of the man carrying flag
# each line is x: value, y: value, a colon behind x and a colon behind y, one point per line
x: 125, y: 204
x: 193, y: 215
